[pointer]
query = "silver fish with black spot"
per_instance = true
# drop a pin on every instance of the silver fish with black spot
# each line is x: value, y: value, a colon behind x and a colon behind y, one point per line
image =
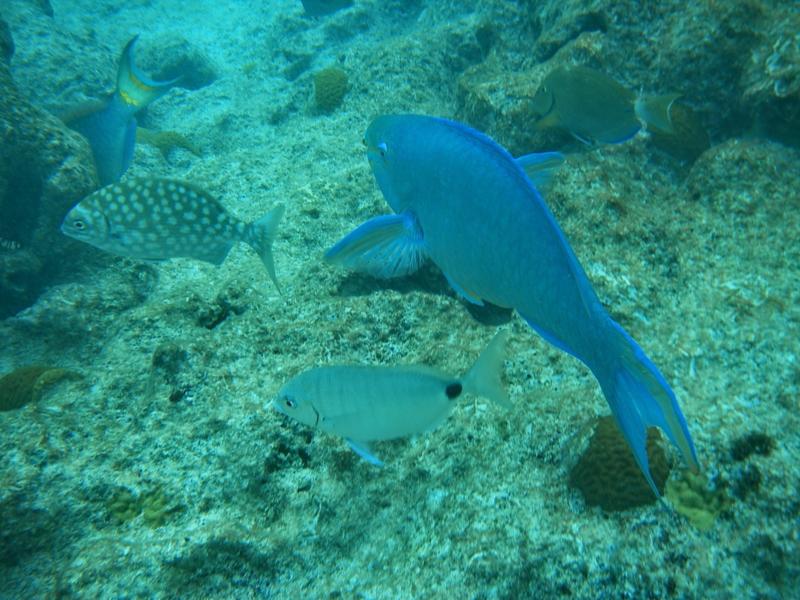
x: 156, y: 219
x: 364, y: 404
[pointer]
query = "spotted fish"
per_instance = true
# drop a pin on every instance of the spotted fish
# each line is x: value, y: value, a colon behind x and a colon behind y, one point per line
x: 156, y: 219
x: 372, y: 403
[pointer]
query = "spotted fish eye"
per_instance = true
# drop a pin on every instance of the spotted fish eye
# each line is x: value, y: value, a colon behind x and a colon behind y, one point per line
x: 78, y: 224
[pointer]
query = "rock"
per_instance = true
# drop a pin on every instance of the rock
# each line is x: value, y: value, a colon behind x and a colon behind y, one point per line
x: 44, y: 170
x: 6, y: 41
x: 171, y: 57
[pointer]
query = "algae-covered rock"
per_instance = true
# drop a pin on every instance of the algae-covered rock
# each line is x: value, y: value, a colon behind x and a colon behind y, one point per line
x: 692, y: 497
x: 330, y: 86
x: 27, y: 384
x: 174, y: 57
x: 45, y: 169
x: 607, y: 474
x: 166, y: 141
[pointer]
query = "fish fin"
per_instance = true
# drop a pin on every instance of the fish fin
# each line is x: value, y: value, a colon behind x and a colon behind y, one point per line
x: 261, y: 234
x: 540, y: 166
x: 466, y: 295
x: 485, y: 376
x: 655, y: 111
x: 128, y: 145
x: 135, y: 88
x: 552, y: 339
x: 640, y: 398
x: 386, y: 246
x: 364, y: 451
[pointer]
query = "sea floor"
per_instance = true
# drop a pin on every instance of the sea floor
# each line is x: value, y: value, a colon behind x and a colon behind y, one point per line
x: 160, y: 471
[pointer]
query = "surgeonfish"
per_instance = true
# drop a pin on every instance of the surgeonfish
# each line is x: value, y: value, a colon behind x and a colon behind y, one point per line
x: 595, y: 108
x: 157, y: 219
x: 110, y: 125
x: 463, y: 201
x: 365, y: 404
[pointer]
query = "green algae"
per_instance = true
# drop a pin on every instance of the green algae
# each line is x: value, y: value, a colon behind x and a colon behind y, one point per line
x: 27, y: 384
x: 330, y: 86
x: 166, y: 141
x: 155, y: 506
x: 692, y: 498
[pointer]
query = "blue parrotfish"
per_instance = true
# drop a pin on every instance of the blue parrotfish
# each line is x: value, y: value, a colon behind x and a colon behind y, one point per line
x: 464, y: 202
x: 157, y: 219
x: 365, y: 404
x: 595, y: 108
x: 110, y: 125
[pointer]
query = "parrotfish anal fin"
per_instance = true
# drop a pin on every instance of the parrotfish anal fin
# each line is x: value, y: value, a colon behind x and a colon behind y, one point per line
x: 385, y: 246
x: 364, y: 451
x: 213, y: 253
x: 134, y: 87
x: 466, y: 294
x: 551, y: 339
x: 129, y: 145
x: 641, y: 398
x: 539, y: 167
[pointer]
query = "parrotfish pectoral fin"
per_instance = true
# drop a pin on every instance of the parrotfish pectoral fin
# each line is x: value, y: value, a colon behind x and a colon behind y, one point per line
x: 654, y: 111
x: 260, y: 236
x: 485, y: 376
x: 134, y: 87
x: 386, y: 246
x: 363, y: 450
x: 641, y: 398
x: 540, y: 166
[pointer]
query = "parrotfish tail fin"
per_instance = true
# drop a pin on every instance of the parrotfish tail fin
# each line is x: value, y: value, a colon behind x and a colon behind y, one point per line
x: 641, y: 398
x: 655, y: 111
x: 540, y: 166
x: 386, y: 246
x: 260, y: 236
x: 135, y: 88
x: 485, y: 376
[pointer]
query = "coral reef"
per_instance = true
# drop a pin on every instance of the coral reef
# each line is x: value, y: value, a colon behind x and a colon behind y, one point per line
x: 330, y: 86
x: 154, y: 505
x: 607, y: 474
x: 44, y: 169
x: 27, y: 384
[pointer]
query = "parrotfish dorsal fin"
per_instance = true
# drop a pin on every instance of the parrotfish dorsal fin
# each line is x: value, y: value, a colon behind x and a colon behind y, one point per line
x: 134, y: 87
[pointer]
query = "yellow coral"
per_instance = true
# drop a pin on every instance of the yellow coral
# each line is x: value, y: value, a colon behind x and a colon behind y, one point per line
x: 690, y: 496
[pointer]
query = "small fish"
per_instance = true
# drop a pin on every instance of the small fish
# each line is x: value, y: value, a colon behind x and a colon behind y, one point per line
x: 463, y: 201
x: 110, y: 125
x: 156, y: 219
x: 365, y: 404
x: 595, y: 108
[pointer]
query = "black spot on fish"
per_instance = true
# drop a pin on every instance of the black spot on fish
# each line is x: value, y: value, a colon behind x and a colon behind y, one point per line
x: 453, y: 390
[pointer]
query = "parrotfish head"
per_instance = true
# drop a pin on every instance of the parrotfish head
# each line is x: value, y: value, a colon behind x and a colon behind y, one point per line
x: 293, y: 403
x: 87, y: 224
x: 386, y: 141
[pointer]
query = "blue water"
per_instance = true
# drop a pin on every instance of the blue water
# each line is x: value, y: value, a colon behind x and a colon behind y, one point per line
x: 156, y: 468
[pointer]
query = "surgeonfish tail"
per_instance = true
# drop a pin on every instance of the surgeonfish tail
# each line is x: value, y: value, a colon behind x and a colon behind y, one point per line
x: 135, y: 88
x: 640, y: 398
x: 655, y: 111
x: 484, y: 378
x: 260, y: 236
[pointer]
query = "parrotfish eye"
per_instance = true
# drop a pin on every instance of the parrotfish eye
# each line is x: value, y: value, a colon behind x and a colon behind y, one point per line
x: 289, y: 402
x: 383, y: 149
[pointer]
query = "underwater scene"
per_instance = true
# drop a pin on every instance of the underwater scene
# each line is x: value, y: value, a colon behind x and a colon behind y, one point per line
x: 400, y: 299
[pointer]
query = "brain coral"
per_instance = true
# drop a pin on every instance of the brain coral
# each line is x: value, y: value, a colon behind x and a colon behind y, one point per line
x: 330, y: 86
x: 607, y: 474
